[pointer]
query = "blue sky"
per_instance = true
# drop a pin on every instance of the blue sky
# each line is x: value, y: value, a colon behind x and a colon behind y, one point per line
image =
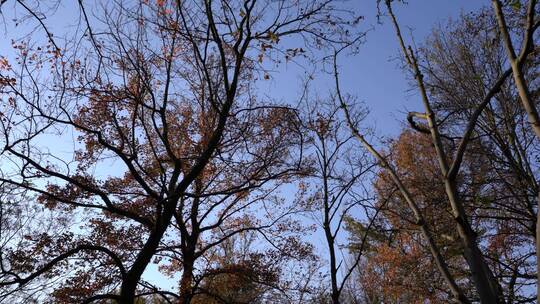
x: 375, y: 78
x: 373, y: 75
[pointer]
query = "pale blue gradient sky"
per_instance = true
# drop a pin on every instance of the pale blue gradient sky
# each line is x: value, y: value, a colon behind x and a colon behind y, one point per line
x: 375, y: 77
x: 374, y: 74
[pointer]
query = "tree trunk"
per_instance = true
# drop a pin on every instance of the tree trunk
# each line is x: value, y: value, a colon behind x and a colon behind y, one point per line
x: 333, y: 267
x: 129, y: 284
x: 521, y: 85
x: 133, y: 276
x: 439, y: 260
x: 487, y: 286
x: 186, y: 282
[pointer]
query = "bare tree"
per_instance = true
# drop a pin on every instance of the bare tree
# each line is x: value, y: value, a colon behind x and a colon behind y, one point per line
x: 517, y: 61
x: 460, y: 60
x: 338, y: 190
x: 418, y: 216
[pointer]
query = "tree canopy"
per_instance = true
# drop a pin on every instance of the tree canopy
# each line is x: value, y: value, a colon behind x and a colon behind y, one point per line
x: 143, y: 161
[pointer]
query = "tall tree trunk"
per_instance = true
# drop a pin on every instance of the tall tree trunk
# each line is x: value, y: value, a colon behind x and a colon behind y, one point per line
x: 528, y: 104
x: 333, y: 266
x: 486, y: 284
x: 456, y: 291
x: 330, y: 238
x: 129, y: 284
x: 186, y: 282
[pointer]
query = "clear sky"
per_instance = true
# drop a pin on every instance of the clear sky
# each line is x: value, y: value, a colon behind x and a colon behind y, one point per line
x: 374, y: 75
